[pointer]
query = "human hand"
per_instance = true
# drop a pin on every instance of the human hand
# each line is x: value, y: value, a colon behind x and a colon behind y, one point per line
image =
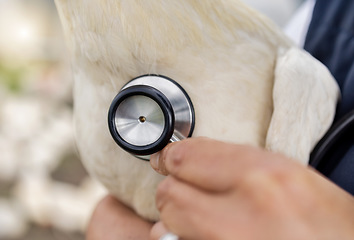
x: 112, y: 220
x: 217, y: 190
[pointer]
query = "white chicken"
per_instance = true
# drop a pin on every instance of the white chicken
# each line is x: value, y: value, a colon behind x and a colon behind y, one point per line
x: 249, y: 84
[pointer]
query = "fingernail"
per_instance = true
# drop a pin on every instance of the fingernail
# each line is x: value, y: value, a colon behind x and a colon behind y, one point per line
x: 154, y: 161
x: 157, y: 161
x: 157, y: 164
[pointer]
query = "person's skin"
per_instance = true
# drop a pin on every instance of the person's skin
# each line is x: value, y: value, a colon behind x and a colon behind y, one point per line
x: 111, y: 220
x: 216, y: 190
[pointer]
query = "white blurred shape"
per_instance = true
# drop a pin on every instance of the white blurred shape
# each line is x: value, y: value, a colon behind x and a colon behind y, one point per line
x: 8, y: 161
x: 61, y: 205
x: 21, y: 30
x: 25, y: 33
x: 22, y: 117
x: 297, y: 27
x: 280, y: 11
x: 13, y: 222
x: 35, y: 134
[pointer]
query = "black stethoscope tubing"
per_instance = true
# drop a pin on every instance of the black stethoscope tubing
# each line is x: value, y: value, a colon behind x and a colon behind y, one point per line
x: 343, y: 126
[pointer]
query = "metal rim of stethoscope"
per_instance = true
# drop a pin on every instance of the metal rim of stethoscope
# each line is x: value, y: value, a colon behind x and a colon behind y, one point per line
x: 166, y: 108
x: 170, y: 100
x: 330, y: 139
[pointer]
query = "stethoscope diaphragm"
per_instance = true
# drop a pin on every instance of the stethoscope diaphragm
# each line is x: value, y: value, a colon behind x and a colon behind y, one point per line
x: 149, y: 112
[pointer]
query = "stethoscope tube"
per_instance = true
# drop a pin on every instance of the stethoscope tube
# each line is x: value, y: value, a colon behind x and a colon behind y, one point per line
x: 319, y: 157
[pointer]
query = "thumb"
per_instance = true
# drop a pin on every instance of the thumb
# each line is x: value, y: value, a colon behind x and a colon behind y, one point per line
x: 157, y: 164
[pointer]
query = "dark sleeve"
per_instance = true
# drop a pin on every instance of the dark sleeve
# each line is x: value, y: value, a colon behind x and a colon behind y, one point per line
x: 330, y: 39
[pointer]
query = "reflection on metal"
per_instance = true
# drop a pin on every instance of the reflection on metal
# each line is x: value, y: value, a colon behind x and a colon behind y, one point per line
x: 148, y: 113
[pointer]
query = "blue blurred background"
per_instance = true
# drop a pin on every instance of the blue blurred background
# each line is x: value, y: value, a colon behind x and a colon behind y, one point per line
x: 45, y: 193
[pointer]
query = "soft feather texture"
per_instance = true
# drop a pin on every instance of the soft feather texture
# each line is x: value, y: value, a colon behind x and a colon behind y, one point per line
x: 242, y: 74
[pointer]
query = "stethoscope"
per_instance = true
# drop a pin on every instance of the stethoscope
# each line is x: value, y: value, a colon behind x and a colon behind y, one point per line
x: 149, y: 112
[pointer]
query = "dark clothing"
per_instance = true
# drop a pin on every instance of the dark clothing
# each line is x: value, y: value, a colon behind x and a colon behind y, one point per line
x: 330, y: 39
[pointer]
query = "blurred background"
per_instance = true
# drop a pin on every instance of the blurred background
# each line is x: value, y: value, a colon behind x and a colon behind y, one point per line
x: 45, y: 193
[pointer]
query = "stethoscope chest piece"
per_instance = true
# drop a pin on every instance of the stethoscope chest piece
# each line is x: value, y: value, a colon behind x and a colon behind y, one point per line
x: 149, y: 112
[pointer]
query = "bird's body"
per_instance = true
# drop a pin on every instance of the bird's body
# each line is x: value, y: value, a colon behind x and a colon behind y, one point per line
x: 246, y: 81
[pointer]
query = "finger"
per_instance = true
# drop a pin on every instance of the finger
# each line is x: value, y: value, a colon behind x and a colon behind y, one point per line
x: 189, y: 212
x: 158, y: 165
x: 209, y: 164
